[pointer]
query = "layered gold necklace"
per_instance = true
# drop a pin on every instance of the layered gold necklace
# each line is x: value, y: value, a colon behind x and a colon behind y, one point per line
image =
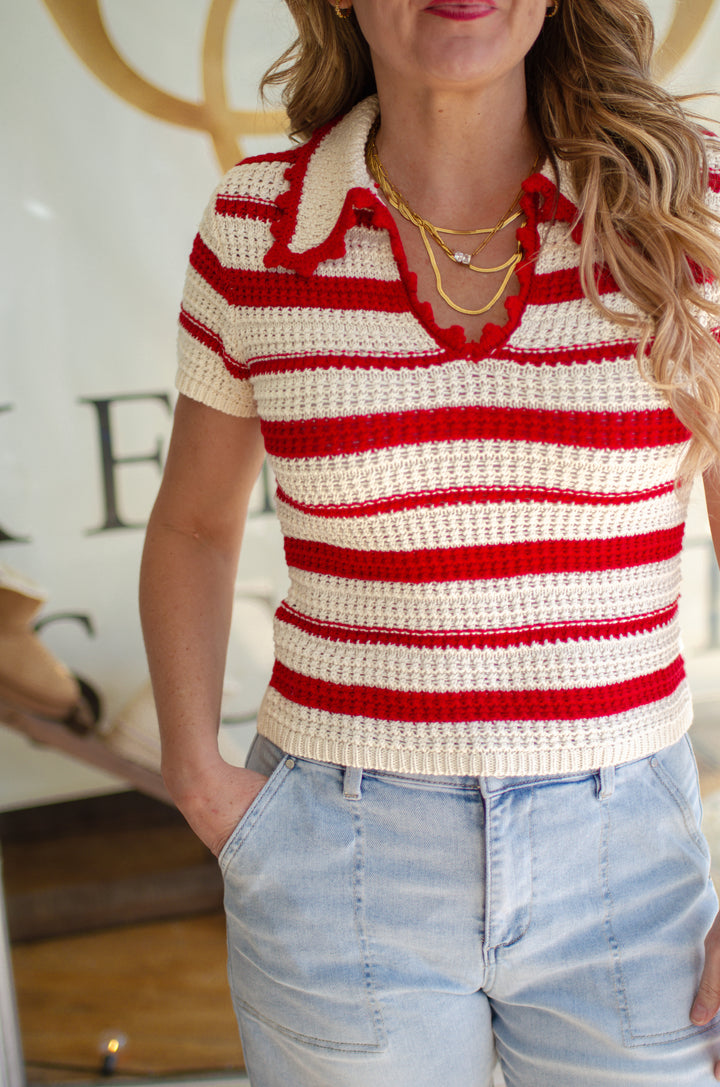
x: 429, y: 231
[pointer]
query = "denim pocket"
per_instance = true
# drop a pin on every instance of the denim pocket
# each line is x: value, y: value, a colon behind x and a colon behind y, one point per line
x: 252, y: 816
x: 676, y: 769
x: 660, y: 902
x: 298, y: 955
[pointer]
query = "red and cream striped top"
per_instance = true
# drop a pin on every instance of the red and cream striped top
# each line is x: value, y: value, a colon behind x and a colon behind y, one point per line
x: 483, y: 538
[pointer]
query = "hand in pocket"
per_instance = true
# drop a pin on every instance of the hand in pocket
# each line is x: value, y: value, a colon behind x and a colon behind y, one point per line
x: 216, y: 801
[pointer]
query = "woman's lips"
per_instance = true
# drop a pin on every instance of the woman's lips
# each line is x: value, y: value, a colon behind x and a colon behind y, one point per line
x: 460, y: 9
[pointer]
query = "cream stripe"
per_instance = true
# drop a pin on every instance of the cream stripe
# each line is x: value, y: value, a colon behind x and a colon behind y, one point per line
x: 202, y: 376
x: 470, y: 525
x: 560, y: 324
x: 612, y: 386
x: 326, y: 332
x: 531, y: 600
x: 432, y: 466
x: 208, y: 307
x: 308, y: 331
x: 248, y: 240
x: 368, y: 255
x: 551, y: 666
x: 558, y: 251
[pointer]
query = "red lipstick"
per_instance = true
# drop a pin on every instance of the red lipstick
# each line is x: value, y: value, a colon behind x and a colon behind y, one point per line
x: 461, y: 10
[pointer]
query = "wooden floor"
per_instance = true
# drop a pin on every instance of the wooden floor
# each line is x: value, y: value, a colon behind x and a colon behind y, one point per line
x: 143, y: 946
x: 115, y: 919
x: 162, y: 984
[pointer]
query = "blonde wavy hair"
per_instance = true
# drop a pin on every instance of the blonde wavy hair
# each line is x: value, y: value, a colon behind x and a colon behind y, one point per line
x: 638, y: 161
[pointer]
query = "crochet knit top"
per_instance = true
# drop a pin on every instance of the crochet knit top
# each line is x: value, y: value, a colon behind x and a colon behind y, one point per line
x: 483, y: 538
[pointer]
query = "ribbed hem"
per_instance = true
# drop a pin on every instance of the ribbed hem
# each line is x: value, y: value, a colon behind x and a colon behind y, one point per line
x: 460, y: 759
x: 240, y: 404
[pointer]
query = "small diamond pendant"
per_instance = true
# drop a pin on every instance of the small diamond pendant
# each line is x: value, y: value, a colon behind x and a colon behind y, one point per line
x: 462, y: 258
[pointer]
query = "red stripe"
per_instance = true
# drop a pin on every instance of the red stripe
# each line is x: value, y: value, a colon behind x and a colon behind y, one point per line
x: 551, y: 203
x: 206, y: 264
x: 284, y: 364
x: 565, y: 286
x: 210, y: 339
x: 561, y: 355
x: 266, y: 288
x: 714, y: 181
x: 273, y: 289
x: 465, y: 706
x: 361, y: 433
x: 269, y: 288
x: 484, y: 561
x: 453, y: 496
x: 551, y: 356
x: 541, y: 634
x: 242, y: 207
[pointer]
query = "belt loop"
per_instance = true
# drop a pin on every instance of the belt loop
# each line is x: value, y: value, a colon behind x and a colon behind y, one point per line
x: 352, y: 783
x: 606, y: 782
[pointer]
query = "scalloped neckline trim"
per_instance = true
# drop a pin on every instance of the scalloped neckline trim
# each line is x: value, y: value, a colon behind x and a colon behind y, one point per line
x: 328, y: 183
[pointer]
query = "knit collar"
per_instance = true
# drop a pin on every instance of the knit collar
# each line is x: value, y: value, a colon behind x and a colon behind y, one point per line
x: 329, y: 184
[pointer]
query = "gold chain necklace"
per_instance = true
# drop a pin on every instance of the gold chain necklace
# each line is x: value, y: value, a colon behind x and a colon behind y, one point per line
x: 398, y: 201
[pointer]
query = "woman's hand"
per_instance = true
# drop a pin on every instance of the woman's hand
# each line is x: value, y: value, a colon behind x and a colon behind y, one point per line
x: 186, y: 597
x: 215, y: 801
x: 707, y: 1001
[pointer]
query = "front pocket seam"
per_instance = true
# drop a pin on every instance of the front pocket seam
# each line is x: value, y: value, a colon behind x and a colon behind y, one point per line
x: 677, y: 796
x: 250, y: 818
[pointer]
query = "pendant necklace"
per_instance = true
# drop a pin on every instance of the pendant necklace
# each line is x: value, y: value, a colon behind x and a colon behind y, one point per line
x: 428, y: 230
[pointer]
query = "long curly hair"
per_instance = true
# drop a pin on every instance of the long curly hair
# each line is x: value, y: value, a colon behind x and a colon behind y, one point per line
x: 638, y: 162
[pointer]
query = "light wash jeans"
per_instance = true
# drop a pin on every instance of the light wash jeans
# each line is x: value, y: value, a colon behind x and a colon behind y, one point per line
x: 395, y: 931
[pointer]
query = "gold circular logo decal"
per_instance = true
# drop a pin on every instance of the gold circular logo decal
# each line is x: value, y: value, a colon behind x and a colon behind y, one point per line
x: 82, y: 25
x: 687, y: 22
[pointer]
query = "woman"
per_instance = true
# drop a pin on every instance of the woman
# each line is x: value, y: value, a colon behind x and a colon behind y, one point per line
x: 471, y: 820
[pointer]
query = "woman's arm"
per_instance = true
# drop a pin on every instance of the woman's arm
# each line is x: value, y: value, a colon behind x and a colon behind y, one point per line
x: 707, y: 1002
x: 186, y: 594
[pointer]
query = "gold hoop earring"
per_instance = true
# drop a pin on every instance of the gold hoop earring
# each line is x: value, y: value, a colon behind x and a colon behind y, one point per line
x: 550, y: 13
x: 342, y: 13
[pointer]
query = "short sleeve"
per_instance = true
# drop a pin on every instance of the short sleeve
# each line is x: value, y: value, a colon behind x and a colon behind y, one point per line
x: 211, y: 367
